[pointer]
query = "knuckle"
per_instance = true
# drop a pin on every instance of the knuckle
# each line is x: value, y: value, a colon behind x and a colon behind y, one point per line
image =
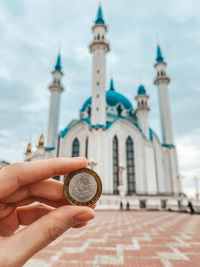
x: 54, y: 231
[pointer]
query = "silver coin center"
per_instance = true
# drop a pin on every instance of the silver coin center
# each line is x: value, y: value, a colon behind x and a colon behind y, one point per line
x: 82, y: 187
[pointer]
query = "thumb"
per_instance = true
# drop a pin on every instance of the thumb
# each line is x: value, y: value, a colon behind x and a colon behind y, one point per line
x: 43, y: 231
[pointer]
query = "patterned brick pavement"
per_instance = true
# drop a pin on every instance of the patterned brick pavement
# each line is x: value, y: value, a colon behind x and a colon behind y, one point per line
x: 128, y: 238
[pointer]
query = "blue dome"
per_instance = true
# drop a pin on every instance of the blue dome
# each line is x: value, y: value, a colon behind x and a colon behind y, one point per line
x: 113, y: 98
x: 141, y: 90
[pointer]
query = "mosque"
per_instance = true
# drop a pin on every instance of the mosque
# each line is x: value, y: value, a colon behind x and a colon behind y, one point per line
x: 134, y: 165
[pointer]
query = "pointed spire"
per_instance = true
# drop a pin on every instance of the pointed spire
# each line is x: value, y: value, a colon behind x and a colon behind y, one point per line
x: 29, y: 148
x: 159, y: 53
x: 58, y: 63
x: 99, y: 19
x: 112, y: 85
x: 41, y: 141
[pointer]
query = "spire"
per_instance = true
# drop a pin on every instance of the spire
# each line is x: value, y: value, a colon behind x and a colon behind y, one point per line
x: 112, y: 85
x: 141, y: 90
x: 159, y: 54
x: 99, y: 19
x: 58, y: 63
x: 41, y: 141
x: 28, y: 149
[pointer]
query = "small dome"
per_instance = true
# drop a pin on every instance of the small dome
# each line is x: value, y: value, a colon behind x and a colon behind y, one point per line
x: 113, y: 98
x: 141, y: 90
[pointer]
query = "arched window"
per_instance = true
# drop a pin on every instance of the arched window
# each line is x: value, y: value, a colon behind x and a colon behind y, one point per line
x: 89, y: 111
x: 115, y: 166
x: 75, y: 148
x: 98, y: 37
x: 130, y: 166
x: 102, y: 37
x: 86, y: 148
x: 142, y: 103
x: 119, y: 110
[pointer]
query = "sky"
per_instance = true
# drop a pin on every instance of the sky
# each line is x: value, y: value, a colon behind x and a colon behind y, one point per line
x: 32, y: 32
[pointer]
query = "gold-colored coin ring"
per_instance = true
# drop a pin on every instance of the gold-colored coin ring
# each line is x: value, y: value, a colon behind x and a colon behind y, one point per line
x: 96, y: 197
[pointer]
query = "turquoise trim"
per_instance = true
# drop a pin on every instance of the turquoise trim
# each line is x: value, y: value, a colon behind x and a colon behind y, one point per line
x: 58, y: 63
x: 49, y: 148
x: 159, y: 55
x: 150, y: 134
x: 72, y: 124
x: 107, y: 126
x: 141, y: 90
x: 99, y: 19
x: 98, y: 126
x: 168, y: 145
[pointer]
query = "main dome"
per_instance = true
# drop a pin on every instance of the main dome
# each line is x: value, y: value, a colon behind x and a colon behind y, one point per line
x: 113, y: 98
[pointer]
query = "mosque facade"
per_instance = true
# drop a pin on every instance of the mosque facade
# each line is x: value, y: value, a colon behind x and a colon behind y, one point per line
x: 135, y: 166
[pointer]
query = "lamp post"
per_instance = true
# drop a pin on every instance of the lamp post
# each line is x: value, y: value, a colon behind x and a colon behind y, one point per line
x: 196, y: 182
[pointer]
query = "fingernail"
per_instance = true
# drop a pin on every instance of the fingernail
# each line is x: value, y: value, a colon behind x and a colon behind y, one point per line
x: 84, y: 216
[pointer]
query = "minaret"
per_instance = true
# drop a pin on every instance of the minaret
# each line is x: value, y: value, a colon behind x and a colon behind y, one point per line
x: 162, y: 81
x: 56, y: 89
x: 143, y: 110
x: 99, y: 47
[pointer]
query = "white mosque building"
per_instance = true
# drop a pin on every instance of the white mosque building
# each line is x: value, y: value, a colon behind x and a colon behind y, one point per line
x: 134, y: 165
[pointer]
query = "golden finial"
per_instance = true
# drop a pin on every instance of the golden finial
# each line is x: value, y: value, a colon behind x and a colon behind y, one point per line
x: 28, y: 149
x: 41, y: 141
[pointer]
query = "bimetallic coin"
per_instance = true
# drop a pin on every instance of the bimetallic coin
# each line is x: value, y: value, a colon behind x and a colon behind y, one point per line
x: 82, y: 187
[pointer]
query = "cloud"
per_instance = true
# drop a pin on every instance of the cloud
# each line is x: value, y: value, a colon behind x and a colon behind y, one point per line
x: 31, y: 33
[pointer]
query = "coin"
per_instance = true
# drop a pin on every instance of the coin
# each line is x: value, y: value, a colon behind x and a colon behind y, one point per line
x: 82, y: 187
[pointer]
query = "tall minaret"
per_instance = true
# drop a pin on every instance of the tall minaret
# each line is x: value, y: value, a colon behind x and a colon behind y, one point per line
x: 162, y: 81
x: 143, y: 110
x: 56, y: 89
x: 99, y: 47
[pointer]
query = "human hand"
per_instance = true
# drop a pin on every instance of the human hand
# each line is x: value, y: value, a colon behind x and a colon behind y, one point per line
x: 24, y: 183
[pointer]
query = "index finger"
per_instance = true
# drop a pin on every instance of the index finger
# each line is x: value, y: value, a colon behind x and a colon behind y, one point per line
x: 20, y: 174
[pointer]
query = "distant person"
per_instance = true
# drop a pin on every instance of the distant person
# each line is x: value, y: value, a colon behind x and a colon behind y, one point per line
x: 190, y: 206
x: 22, y: 184
x: 121, y: 205
x: 127, y: 206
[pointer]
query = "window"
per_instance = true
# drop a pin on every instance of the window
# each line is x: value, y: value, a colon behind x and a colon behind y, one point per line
x: 75, y: 148
x: 98, y: 83
x: 98, y: 37
x: 163, y: 204
x: 119, y: 110
x: 97, y: 95
x: 89, y: 111
x: 86, y: 148
x: 115, y: 166
x: 130, y: 166
x: 142, y: 204
x: 97, y: 109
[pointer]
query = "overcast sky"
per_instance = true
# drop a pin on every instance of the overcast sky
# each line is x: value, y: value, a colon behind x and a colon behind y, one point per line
x: 31, y: 33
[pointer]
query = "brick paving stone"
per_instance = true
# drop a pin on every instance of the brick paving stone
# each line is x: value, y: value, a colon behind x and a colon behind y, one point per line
x: 133, y: 238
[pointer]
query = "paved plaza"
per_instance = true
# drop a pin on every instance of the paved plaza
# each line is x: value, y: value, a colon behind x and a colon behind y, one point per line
x: 127, y: 238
